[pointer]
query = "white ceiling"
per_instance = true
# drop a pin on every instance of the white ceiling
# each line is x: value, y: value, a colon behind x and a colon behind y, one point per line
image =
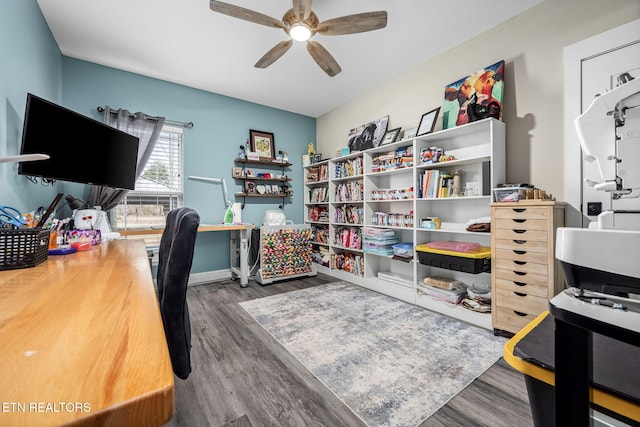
x: 184, y: 42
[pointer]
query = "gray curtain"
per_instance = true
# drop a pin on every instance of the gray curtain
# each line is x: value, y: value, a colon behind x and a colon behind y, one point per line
x: 147, y: 129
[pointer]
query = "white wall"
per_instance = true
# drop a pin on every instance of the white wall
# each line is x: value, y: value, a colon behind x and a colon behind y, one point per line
x: 532, y: 47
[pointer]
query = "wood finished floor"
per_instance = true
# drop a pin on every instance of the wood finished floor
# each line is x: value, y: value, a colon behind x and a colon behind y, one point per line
x: 242, y: 377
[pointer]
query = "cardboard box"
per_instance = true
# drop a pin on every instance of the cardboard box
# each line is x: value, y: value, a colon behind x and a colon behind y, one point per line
x: 343, y: 151
x: 91, y: 236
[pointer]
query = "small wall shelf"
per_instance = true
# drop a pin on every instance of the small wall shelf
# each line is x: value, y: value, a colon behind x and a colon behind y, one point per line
x: 260, y: 178
x: 264, y: 163
x: 261, y: 186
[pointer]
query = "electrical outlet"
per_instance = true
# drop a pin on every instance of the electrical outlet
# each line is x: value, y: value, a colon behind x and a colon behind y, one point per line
x: 594, y: 208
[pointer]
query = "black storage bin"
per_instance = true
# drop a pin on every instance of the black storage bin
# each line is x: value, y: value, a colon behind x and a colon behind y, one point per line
x: 476, y: 262
x: 23, y: 248
x: 254, y: 248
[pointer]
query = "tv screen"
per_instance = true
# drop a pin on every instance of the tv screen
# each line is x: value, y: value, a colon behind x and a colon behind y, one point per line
x: 80, y: 149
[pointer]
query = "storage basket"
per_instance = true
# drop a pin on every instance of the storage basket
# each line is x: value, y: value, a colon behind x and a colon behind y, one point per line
x: 22, y: 248
x: 473, y: 262
x: 509, y: 194
x: 404, y: 249
x: 379, y: 248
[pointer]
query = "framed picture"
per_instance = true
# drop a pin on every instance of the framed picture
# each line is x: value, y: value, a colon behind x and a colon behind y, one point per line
x: 317, y: 157
x: 367, y: 136
x: 263, y: 144
x: 390, y: 136
x: 249, y: 187
x: 409, y: 133
x: 428, y: 122
x: 474, y: 97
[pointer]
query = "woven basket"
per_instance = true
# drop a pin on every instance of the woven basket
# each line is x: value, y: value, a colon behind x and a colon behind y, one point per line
x: 23, y: 248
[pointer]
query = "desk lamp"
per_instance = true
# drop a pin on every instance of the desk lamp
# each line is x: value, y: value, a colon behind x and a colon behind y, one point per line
x: 75, y: 203
x: 229, y: 213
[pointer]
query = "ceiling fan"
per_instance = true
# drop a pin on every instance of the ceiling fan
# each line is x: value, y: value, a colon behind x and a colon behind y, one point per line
x: 301, y: 23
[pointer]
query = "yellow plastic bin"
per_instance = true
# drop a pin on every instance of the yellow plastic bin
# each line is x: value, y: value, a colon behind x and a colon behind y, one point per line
x: 478, y: 261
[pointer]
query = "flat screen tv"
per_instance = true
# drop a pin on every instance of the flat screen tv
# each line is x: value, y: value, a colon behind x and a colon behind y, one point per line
x: 80, y: 149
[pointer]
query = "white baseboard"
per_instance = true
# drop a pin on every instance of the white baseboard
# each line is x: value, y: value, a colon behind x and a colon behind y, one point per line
x: 208, y: 276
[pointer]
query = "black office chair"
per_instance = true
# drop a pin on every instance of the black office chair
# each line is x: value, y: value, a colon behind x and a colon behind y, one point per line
x: 174, y: 265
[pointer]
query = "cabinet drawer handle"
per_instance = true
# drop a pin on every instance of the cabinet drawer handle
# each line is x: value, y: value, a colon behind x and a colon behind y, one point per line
x: 519, y: 313
x: 520, y: 262
x: 520, y: 242
x: 519, y: 220
x: 519, y: 231
x: 519, y: 283
x: 520, y: 210
x: 519, y: 252
x: 520, y: 273
x: 520, y: 294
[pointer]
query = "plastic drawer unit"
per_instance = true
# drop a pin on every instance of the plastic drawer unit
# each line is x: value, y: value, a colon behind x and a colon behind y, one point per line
x: 379, y: 241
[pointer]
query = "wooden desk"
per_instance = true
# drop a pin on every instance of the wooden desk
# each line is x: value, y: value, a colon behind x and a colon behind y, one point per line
x: 82, y: 341
x: 576, y: 323
x: 542, y: 381
x: 239, y: 267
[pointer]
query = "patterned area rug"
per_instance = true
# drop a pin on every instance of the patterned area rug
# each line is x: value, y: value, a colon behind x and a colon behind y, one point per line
x: 392, y: 363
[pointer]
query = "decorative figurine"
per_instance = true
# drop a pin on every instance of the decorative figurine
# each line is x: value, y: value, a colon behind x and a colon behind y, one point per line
x: 456, y: 183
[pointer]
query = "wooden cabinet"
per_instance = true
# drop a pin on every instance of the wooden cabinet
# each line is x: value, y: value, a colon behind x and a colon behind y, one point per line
x: 525, y: 274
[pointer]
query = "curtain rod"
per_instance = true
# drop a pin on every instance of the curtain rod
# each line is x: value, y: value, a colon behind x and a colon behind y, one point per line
x: 167, y: 121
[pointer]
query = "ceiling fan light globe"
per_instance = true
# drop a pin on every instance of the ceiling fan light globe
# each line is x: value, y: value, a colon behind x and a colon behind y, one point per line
x: 300, y: 32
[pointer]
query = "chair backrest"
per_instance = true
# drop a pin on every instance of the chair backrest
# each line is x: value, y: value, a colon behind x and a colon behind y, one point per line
x: 174, y: 265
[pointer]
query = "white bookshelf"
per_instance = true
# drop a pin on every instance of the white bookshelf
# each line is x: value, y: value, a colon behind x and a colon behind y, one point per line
x: 472, y: 145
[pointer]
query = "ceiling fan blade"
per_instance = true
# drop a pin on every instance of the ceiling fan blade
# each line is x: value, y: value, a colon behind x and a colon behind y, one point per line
x: 302, y: 8
x: 323, y: 58
x: 351, y: 24
x: 245, y: 14
x: 274, y: 54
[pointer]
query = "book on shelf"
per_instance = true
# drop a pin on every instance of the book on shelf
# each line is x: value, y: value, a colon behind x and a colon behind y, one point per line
x: 318, y: 214
x: 436, y: 184
x: 430, y: 183
x: 348, y: 214
x: 348, y: 261
x: 349, y: 168
x: 348, y: 237
x: 445, y: 181
x: 323, y: 172
x: 319, y: 195
x: 317, y: 173
x: 349, y: 191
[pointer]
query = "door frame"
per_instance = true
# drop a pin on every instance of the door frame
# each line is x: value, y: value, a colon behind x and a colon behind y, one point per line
x: 574, y: 55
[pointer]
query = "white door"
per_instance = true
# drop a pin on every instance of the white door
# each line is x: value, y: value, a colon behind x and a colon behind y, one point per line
x: 599, y: 73
x: 591, y: 68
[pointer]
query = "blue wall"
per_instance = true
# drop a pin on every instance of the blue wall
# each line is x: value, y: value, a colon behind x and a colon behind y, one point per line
x: 221, y: 125
x: 33, y: 63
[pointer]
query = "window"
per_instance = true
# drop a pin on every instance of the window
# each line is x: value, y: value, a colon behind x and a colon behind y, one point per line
x: 158, y: 189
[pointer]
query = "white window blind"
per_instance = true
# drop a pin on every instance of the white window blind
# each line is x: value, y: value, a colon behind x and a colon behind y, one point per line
x: 159, y: 188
